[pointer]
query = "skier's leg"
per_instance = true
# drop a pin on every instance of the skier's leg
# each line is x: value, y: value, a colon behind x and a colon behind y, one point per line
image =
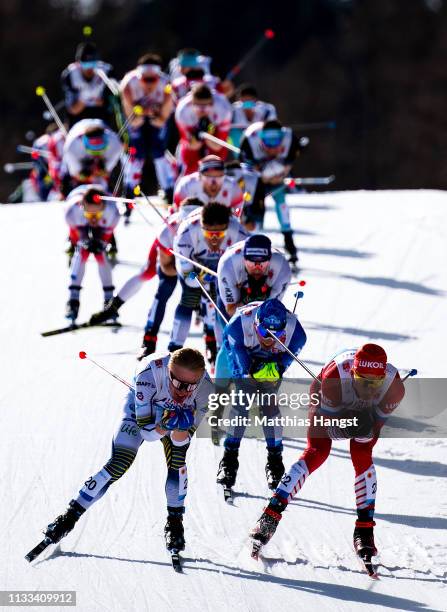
x: 182, y: 319
x: 125, y: 445
x: 177, y: 476
x: 105, y: 274
x: 273, y: 434
x: 166, y: 286
x: 316, y: 453
x: 365, y: 487
x: 282, y: 213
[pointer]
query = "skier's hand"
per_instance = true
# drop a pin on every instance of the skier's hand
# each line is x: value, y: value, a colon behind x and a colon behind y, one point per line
x: 365, y: 424
x: 265, y: 371
x: 177, y: 418
x: 95, y: 246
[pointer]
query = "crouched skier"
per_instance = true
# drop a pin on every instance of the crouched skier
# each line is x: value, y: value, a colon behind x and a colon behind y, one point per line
x: 355, y: 383
x: 168, y: 402
x: 257, y: 363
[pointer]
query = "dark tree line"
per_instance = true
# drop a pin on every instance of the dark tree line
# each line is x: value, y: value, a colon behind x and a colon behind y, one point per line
x: 376, y: 67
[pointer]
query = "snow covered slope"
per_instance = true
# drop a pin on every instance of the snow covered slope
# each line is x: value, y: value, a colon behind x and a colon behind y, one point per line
x: 375, y: 267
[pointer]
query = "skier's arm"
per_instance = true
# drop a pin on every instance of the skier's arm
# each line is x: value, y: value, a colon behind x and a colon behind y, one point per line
x: 240, y: 356
x: 228, y: 289
x: 183, y: 245
x: 389, y: 402
x: 297, y: 341
x: 281, y: 280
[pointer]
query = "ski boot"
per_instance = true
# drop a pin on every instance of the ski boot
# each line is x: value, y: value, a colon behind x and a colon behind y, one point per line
x: 148, y: 347
x: 364, y: 539
x: 274, y: 468
x: 174, y: 533
x: 64, y: 523
x: 228, y: 466
x: 72, y: 310
x: 266, y: 525
x: 110, y: 311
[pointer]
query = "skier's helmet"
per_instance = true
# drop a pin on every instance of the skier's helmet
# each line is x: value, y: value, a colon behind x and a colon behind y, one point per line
x: 271, y: 315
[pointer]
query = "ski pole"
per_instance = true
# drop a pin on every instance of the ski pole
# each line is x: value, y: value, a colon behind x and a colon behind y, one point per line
x: 266, y: 36
x: 298, y: 295
x: 219, y: 141
x: 302, y: 364
x: 83, y: 355
x: 194, y: 275
x: 40, y: 91
x: 127, y: 157
x: 315, y: 180
x: 10, y: 168
x: 136, y: 111
x: 107, y: 82
x: 194, y: 263
x: 412, y: 372
x: 32, y: 150
x: 138, y: 191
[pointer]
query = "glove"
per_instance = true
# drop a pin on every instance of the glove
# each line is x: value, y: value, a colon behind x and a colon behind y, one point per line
x: 365, y: 422
x: 266, y: 371
x: 362, y: 430
x: 272, y: 169
x: 95, y: 246
x: 110, y: 311
x: 177, y: 418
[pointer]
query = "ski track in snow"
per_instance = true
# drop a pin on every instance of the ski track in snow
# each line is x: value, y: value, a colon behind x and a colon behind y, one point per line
x: 373, y: 263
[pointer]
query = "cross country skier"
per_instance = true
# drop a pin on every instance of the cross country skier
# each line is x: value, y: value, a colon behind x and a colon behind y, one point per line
x: 85, y: 93
x: 91, y: 222
x: 249, y: 271
x: 248, y: 109
x: 167, y: 278
x: 354, y: 383
x: 202, y: 110
x: 203, y: 237
x: 257, y: 361
x: 91, y: 151
x: 147, y: 87
x: 271, y: 149
x: 167, y: 403
x: 210, y: 184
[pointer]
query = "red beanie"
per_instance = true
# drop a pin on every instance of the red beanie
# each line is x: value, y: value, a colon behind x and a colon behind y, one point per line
x: 370, y: 360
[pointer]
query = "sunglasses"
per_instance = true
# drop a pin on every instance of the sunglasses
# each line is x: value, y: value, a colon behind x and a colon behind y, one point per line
x: 210, y: 178
x: 373, y: 383
x: 93, y: 215
x: 214, y: 233
x: 88, y: 65
x: 265, y: 333
x: 263, y: 265
x: 150, y: 79
x: 202, y: 107
x: 182, y: 385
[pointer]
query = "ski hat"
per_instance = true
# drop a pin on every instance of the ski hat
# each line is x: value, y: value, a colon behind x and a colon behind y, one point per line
x: 370, y: 360
x: 258, y: 248
x: 86, y: 52
x: 271, y: 314
x: 211, y: 162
